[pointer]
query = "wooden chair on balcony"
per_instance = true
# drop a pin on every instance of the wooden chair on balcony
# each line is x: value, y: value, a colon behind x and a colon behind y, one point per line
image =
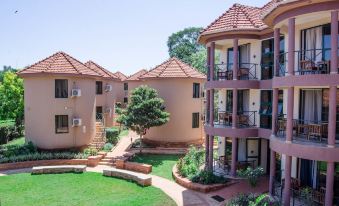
x: 244, y: 73
x: 317, y: 130
x: 281, y: 126
x: 243, y: 120
x: 306, y: 67
x: 319, y: 196
x: 221, y: 75
x: 222, y: 117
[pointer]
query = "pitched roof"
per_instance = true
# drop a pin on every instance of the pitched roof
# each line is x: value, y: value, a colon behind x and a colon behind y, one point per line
x: 120, y: 75
x: 135, y: 77
x: 59, y: 63
x: 240, y: 17
x: 100, y: 70
x: 173, y: 68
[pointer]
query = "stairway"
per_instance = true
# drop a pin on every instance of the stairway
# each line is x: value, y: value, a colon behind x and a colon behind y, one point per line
x: 100, y: 137
x: 108, y: 161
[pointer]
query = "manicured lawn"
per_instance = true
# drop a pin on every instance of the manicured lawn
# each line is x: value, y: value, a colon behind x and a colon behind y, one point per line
x: 161, y: 164
x: 88, y: 189
x: 17, y: 142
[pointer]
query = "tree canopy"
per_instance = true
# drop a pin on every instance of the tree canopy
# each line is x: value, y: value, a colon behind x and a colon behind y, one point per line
x: 184, y: 45
x: 11, y: 97
x: 6, y: 69
x: 145, y: 110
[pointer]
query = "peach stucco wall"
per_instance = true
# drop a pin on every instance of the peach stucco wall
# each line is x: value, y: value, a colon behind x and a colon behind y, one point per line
x: 41, y: 106
x: 178, y: 96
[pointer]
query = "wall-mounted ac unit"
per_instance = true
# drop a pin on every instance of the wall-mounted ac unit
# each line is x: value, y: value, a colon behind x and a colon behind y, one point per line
x: 76, y: 92
x: 108, y: 88
x: 108, y: 110
x: 76, y: 122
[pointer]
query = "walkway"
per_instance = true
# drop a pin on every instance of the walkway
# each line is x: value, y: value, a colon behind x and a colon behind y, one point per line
x: 123, y: 145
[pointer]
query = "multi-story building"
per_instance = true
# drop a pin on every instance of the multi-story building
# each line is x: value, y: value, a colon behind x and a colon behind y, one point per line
x: 67, y: 103
x: 277, y: 100
x: 181, y: 87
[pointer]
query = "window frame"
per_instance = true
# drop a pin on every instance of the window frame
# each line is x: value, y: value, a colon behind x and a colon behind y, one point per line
x: 126, y: 100
x: 60, y: 95
x: 195, y: 120
x: 98, y: 87
x: 196, y: 90
x: 125, y: 86
x: 62, y: 125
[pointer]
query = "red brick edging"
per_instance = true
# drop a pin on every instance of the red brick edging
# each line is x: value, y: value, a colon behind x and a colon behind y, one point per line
x: 196, y: 186
x: 92, y: 161
x: 133, y: 166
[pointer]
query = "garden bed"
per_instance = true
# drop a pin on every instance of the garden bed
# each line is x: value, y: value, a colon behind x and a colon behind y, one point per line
x: 185, y: 182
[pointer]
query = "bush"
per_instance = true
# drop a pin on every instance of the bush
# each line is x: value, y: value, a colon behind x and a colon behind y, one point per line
x: 108, y: 147
x: 252, y: 200
x: 15, y: 150
x: 112, y: 135
x: 252, y: 175
x: 90, y: 151
x: 8, y: 131
x: 43, y: 156
x: 207, y: 177
x: 190, y: 164
x: 241, y: 200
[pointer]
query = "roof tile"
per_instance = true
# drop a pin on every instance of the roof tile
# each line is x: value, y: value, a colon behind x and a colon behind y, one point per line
x: 135, y: 77
x: 100, y: 70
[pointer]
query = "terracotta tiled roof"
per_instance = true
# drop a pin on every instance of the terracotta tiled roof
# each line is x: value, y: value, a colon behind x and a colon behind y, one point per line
x: 120, y: 75
x: 173, y: 68
x: 100, y: 70
x: 59, y: 63
x: 240, y: 17
x: 135, y: 77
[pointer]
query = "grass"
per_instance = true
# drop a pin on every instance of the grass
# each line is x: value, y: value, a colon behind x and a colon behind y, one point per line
x: 161, y: 164
x: 85, y: 189
x: 6, y: 123
x: 16, y: 142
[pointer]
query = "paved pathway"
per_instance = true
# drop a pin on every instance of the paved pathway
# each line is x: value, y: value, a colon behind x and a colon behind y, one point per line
x: 123, y: 145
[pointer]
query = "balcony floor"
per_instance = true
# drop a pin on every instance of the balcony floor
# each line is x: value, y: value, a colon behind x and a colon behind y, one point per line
x: 304, y: 141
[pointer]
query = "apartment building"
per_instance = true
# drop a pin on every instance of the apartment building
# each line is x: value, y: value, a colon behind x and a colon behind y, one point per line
x: 181, y: 87
x: 277, y: 105
x: 67, y: 103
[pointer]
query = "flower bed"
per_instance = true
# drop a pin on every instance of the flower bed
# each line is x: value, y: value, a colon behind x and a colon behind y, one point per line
x: 185, y: 182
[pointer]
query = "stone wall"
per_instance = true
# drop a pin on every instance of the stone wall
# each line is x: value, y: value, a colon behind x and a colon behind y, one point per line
x: 133, y: 166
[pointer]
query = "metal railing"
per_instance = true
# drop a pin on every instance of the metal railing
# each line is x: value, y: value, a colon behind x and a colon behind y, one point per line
x: 246, y: 71
x: 312, y: 61
x: 245, y: 119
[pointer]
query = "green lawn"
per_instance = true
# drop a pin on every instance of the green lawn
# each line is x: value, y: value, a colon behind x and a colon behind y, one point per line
x: 161, y: 164
x: 19, y: 141
x: 87, y: 189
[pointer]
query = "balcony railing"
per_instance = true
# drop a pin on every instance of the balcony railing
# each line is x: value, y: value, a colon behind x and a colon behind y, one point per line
x: 245, y: 119
x: 246, y: 71
x: 306, y: 62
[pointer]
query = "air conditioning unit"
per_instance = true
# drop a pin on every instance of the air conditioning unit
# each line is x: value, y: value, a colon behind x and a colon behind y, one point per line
x: 76, y: 122
x: 76, y: 92
x: 108, y: 88
x: 108, y: 110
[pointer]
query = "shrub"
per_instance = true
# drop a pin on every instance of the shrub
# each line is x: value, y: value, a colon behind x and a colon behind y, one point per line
x: 252, y: 175
x: 90, y: 151
x: 112, y: 135
x: 207, y: 177
x: 14, y: 150
x: 8, y: 131
x: 43, y: 156
x: 241, y: 200
x: 252, y: 200
x: 190, y: 164
x: 108, y: 147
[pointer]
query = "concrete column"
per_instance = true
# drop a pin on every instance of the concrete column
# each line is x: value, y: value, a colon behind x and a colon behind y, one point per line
x: 291, y: 46
x: 334, y: 42
x: 234, y: 108
x: 212, y: 59
x: 276, y: 51
x: 287, y: 186
x: 290, y: 104
x: 212, y: 107
x: 235, y: 59
x: 275, y: 110
x: 234, y: 156
x: 208, y: 63
x: 332, y: 116
x: 272, y: 172
x: 207, y: 118
x: 329, y: 184
x: 210, y: 153
x: 207, y: 147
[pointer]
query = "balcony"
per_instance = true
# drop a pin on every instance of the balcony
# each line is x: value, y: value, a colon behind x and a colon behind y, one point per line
x: 245, y: 119
x: 307, y: 62
x: 246, y: 71
x: 305, y: 132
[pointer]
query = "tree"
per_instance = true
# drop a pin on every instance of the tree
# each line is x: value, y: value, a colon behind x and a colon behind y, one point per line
x: 12, y: 97
x: 6, y: 69
x: 144, y: 111
x: 183, y: 44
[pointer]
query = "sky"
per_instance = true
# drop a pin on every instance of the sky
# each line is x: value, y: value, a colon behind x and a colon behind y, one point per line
x: 120, y: 35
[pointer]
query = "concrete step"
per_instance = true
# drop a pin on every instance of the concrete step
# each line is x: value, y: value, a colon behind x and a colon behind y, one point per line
x: 107, y: 160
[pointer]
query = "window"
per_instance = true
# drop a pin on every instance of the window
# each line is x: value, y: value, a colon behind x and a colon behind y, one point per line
x: 125, y: 100
x: 196, y: 90
x: 61, y: 124
x: 195, y: 120
x: 61, y: 88
x: 125, y: 86
x: 266, y: 109
x: 98, y: 85
x: 98, y: 111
